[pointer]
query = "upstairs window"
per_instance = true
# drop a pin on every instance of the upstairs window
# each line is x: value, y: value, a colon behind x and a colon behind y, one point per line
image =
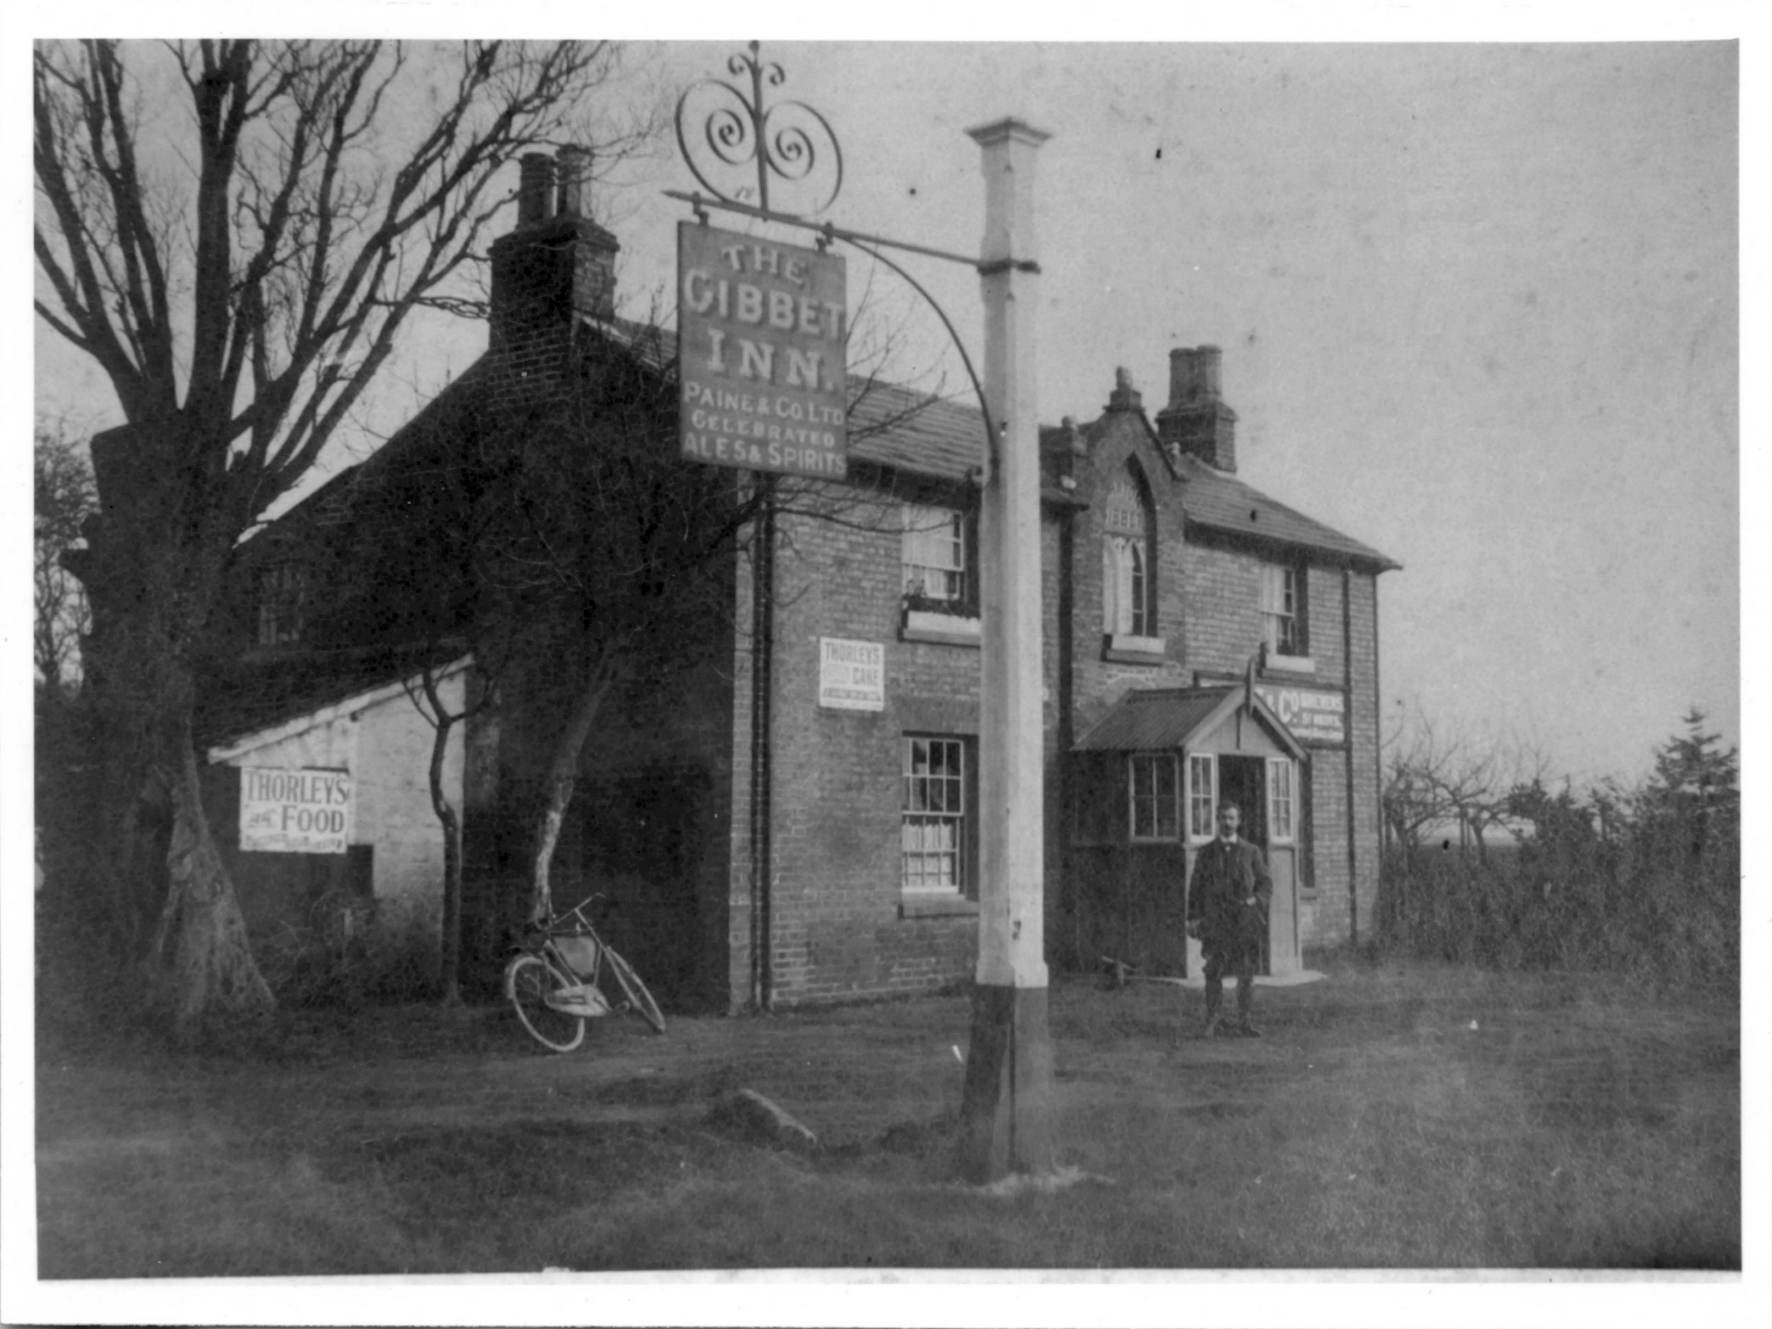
x: 1128, y: 591
x: 282, y: 596
x: 1282, y: 609
x: 933, y: 555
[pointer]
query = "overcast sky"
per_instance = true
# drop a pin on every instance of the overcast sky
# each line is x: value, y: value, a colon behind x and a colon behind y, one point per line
x: 1478, y: 305
x: 1478, y: 308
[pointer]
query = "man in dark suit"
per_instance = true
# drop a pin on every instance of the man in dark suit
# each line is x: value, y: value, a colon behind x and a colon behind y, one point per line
x: 1227, y: 903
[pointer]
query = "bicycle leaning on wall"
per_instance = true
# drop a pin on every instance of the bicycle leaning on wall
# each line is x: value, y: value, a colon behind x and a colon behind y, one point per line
x: 565, y: 974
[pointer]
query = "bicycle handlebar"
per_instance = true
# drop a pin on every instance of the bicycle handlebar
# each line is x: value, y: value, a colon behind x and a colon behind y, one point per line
x: 577, y: 911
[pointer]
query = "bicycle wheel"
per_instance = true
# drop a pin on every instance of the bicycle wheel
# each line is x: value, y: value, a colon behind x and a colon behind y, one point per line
x: 640, y: 1001
x: 529, y: 980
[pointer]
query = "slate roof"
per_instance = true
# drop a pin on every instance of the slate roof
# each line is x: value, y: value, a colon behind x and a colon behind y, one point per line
x: 912, y: 432
x: 1221, y: 502
x: 1160, y: 719
x: 276, y: 688
x: 1152, y: 719
x: 944, y: 439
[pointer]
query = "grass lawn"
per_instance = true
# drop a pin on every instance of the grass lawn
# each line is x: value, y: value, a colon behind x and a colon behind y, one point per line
x: 1394, y: 1117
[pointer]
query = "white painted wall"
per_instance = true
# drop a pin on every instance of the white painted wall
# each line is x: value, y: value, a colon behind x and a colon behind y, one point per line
x: 384, y: 741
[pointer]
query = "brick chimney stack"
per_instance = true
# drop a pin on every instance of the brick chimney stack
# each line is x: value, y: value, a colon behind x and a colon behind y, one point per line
x: 555, y: 267
x: 1196, y: 420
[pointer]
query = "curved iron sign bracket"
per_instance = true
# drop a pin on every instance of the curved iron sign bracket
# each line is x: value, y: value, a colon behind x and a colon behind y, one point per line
x: 789, y: 141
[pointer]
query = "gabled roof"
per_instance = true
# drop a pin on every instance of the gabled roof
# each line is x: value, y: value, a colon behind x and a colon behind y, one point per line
x: 913, y: 432
x: 343, y: 698
x: 1160, y: 719
x: 280, y: 689
x: 1221, y: 502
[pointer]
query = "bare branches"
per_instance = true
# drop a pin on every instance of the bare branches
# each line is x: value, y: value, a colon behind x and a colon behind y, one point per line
x: 62, y: 496
x: 1435, y: 781
x: 246, y: 267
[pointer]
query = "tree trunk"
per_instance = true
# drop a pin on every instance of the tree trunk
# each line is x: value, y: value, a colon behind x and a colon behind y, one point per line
x: 449, y: 962
x: 152, y: 575
x: 562, y: 780
x: 204, y: 970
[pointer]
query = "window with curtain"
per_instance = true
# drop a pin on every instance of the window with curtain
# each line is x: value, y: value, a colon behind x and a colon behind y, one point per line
x: 1127, y: 589
x: 1282, y: 609
x: 933, y: 553
x: 933, y: 830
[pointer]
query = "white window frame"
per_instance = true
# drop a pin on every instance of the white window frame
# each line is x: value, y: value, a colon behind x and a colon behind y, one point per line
x: 932, y: 552
x: 1282, y: 800
x: 1280, y: 594
x: 933, y: 816
x: 1153, y: 762
x: 1126, y: 586
x: 1127, y: 601
x: 1198, y: 764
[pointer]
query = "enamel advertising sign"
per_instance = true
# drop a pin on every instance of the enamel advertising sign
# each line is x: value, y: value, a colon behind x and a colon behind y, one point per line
x: 295, y: 810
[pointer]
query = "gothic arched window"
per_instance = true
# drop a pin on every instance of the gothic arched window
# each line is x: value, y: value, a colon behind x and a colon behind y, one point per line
x: 1128, y: 590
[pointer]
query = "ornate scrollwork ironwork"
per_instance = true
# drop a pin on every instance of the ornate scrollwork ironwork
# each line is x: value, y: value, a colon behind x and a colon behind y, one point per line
x: 722, y: 131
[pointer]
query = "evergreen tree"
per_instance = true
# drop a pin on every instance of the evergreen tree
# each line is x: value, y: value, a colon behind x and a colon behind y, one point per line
x: 1693, y: 800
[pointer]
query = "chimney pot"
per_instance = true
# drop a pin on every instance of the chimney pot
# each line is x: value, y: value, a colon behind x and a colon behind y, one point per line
x: 1196, y: 421
x: 535, y: 188
x: 1193, y: 375
x: 575, y: 178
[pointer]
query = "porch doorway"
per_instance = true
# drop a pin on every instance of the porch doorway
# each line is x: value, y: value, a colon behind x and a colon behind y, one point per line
x: 1243, y: 781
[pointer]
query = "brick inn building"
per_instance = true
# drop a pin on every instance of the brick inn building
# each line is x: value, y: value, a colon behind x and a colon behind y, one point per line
x: 781, y: 807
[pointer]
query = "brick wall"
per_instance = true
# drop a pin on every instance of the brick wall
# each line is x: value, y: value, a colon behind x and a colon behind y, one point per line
x: 837, y: 926
x: 1118, y: 448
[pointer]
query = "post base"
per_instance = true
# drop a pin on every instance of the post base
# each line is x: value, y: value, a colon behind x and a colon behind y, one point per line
x: 1006, y: 1115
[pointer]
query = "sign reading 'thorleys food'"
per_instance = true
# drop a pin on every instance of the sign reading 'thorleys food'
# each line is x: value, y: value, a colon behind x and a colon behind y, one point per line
x: 762, y: 330
x: 295, y: 810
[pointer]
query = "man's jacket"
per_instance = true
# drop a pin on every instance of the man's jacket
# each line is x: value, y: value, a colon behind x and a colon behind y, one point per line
x: 1225, y: 875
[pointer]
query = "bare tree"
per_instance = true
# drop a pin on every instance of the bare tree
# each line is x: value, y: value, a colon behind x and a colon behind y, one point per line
x: 240, y: 273
x: 426, y: 692
x: 62, y: 498
x: 1435, y: 779
x: 603, y: 557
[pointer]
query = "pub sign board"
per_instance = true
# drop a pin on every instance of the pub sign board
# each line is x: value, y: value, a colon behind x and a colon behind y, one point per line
x: 296, y: 809
x: 762, y: 333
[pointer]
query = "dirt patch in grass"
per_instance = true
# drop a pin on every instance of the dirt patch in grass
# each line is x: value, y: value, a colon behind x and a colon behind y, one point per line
x: 1400, y: 1117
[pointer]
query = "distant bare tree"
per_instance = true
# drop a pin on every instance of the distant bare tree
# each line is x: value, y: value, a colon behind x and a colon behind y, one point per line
x: 1435, y: 779
x: 63, y: 496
